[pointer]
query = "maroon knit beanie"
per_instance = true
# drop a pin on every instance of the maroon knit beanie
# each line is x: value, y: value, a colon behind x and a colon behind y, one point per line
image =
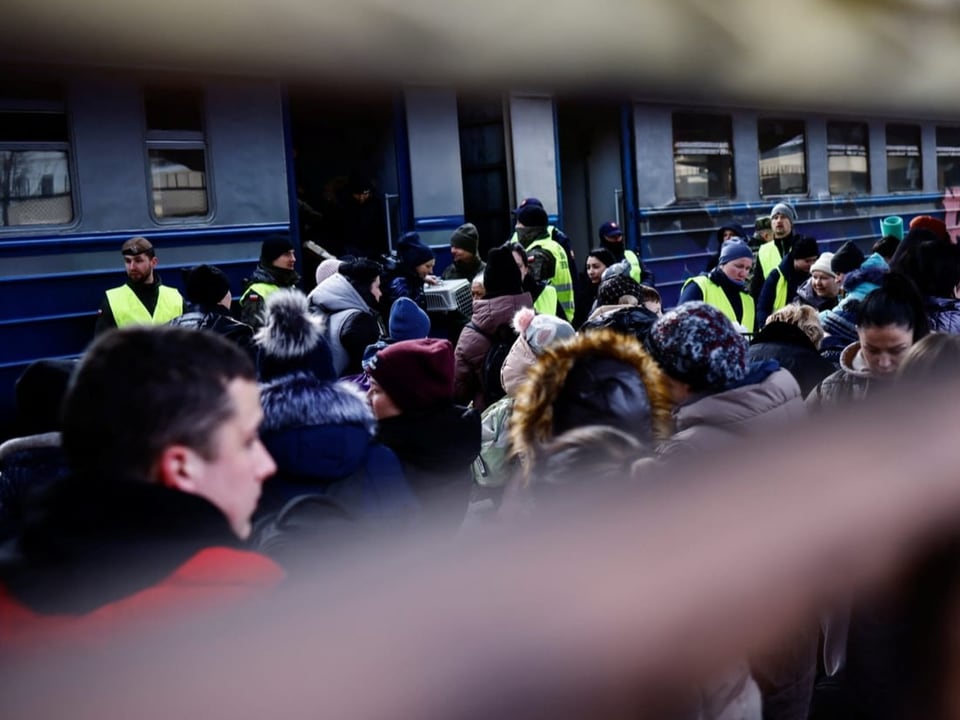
x: 416, y: 374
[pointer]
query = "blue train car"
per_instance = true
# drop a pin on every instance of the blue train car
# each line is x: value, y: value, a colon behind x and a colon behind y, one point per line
x: 206, y: 167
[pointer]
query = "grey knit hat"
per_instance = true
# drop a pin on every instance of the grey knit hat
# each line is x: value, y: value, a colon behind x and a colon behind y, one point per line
x: 786, y: 210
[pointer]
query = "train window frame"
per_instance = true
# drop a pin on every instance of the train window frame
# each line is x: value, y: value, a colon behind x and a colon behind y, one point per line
x: 710, y: 145
x: 939, y: 132
x: 159, y: 140
x: 901, y: 147
x: 850, y: 149
x: 28, y: 104
x: 804, y: 190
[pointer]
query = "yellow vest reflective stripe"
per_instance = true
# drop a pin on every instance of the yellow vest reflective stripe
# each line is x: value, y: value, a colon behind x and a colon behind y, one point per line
x: 128, y: 310
x: 562, y: 280
x: 636, y: 269
x: 261, y: 289
x: 780, y: 299
x: 546, y: 302
x: 769, y: 257
x: 714, y: 295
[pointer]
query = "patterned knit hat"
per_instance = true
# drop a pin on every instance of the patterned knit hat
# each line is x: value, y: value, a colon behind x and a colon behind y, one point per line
x: 614, y: 288
x: 542, y: 331
x: 698, y: 345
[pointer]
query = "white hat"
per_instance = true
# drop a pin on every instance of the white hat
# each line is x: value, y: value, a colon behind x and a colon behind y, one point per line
x: 823, y: 264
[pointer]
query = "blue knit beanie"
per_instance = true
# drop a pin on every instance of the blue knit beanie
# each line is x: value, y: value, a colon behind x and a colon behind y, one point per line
x: 412, y: 250
x: 408, y: 321
x: 734, y: 250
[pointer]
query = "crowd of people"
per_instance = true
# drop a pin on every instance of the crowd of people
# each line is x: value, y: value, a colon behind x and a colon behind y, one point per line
x: 194, y: 458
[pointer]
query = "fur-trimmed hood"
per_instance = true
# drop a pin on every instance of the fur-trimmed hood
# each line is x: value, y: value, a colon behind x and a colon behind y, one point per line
x: 532, y: 422
x: 301, y: 399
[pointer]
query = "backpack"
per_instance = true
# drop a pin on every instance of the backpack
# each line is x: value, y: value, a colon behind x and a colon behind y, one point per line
x: 542, y: 263
x: 501, y: 340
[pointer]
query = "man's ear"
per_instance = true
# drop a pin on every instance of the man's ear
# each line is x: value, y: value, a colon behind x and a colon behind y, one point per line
x: 177, y: 468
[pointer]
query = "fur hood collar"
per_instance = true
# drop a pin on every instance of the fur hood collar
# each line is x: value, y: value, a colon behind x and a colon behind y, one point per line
x: 852, y: 362
x: 532, y: 421
x: 301, y: 399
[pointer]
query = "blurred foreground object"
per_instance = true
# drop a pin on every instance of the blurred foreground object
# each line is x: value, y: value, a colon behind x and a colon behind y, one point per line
x: 851, y: 54
x: 582, y: 615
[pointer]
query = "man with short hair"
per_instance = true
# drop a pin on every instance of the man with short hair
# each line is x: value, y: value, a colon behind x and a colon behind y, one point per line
x: 783, y: 217
x: 276, y: 269
x: 160, y: 429
x: 142, y: 300
x: 782, y: 283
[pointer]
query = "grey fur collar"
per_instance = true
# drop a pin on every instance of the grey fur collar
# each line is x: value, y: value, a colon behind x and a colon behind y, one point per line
x: 300, y: 399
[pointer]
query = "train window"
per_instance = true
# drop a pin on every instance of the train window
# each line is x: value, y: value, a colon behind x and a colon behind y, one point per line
x: 948, y: 157
x: 783, y: 166
x: 176, y: 150
x: 847, y: 168
x: 904, y: 161
x: 35, y: 178
x: 702, y: 156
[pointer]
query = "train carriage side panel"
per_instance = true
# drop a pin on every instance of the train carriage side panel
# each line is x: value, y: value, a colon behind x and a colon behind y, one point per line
x: 433, y: 140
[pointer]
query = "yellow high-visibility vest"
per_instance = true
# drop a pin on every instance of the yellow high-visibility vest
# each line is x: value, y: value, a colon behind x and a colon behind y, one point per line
x: 714, y: 295
x: 128, y: 310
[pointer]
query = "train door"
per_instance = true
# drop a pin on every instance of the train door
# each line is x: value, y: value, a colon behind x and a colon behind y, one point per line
x: 592, y: 181
x: 483, y: 152
x: 345, y: 171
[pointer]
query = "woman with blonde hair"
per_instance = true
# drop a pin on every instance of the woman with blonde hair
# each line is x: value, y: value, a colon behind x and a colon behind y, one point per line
x: 792, y: 337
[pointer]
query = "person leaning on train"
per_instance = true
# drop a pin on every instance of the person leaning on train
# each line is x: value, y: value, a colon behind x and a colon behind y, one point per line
x: 276, y: 270
x: 142, y: 300
x: 724, y: 287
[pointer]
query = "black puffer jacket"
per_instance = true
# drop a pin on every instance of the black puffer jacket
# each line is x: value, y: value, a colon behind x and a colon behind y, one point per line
x: 217, y: 318
x: 436, y: 449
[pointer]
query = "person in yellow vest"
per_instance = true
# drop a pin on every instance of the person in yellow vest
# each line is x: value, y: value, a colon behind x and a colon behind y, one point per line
x: 781, y: 286
x: 276, y: 270
x: 142, y: 300
x: 544, y: 295
x: 611, y: 238
x: 783, y: 217
x: 724, y: 287
x: 550, y: 261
